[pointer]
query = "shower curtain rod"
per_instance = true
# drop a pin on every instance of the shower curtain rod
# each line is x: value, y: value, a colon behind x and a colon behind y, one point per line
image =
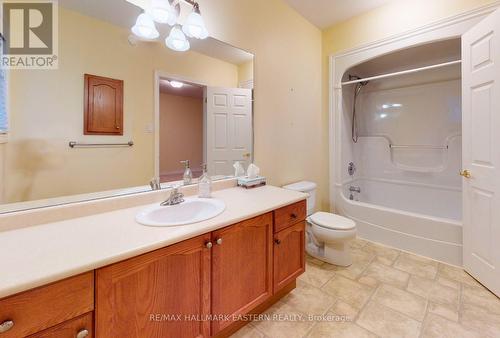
x: 409, y: 71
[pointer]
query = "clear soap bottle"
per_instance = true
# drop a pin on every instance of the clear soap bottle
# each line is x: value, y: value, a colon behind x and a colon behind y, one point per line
x: 187, y: 177
x: 204, y: 184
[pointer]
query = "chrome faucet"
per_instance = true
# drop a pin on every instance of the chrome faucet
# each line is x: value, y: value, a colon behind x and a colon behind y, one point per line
x: 176, y: 197
x: 355, y: 189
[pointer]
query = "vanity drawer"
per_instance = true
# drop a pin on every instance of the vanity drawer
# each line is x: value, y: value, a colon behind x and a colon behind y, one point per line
x: 289, y: 215
x: 81, y: 327
x: 38, y: 309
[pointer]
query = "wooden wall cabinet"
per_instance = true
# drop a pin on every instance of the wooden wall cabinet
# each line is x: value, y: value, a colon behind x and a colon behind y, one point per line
x: 103, y: 106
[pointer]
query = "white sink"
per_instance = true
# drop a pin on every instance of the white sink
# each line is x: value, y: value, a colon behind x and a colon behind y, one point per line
x: 192, y: 210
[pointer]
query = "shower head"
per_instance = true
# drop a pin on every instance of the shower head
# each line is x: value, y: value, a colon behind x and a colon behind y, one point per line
x: 360, y: 85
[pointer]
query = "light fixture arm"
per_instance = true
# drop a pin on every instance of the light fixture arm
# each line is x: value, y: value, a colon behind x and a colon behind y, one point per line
x: 191, y: 2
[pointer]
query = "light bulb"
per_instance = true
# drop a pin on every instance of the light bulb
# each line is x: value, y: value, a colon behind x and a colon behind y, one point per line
x: 162, y: 12
x: 176, y: 84
x: 145, y: 27
x: 177, y: 41
x: 194, y: 27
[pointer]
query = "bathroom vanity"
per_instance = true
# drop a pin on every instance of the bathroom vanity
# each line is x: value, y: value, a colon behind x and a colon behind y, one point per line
x: 197, y: 280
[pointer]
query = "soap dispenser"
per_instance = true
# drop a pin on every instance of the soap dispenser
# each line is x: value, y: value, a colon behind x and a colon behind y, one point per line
x: 188, y: 174
x: 204, y: 184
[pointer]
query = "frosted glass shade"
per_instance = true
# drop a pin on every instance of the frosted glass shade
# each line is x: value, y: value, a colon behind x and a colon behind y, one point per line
x: 162, y: 12
x: 177, y: 40
x: 194, y: 27
x: 145, y: 27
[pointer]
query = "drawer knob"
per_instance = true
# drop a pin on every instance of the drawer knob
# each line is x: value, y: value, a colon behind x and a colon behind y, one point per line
x: 277, y: 241
x: 82, y: 333
x: 219, y: 241
x: 6, y: 326
x: 293, y: 215
x: 209, y: 245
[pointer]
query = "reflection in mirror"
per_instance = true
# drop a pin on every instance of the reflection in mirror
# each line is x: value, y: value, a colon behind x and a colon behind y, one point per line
x: 113, y: 96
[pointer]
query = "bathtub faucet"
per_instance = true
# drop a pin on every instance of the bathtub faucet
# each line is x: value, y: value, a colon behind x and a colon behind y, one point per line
x: 355, y: 189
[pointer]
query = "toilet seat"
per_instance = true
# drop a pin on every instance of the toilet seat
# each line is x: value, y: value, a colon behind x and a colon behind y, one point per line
x: 331, y: 221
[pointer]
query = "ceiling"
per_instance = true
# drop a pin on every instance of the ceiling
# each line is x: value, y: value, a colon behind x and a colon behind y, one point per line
x: 325, y: 13
x: 188, y: 89
x: 122, y: 13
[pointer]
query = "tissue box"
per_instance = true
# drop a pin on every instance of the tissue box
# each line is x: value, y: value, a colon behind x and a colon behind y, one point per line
x: 246, y: 182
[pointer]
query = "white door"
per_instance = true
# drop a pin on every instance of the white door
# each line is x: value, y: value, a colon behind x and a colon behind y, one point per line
x: 228, y: 128
x: 481, y: 151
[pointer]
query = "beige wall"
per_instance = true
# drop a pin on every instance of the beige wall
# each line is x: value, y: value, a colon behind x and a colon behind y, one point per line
x: 245, y: 72
x: 47, y: 111
x: 181, y: 132
x: 289, y: 140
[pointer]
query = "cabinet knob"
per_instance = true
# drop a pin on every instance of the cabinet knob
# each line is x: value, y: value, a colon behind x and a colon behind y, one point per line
x: 293, y: 215
x: 6, y: 326
x: 82, y: 333
x: 219, y: 241
x: 209, y: 245
x: 277, y: 241
x: 117, y: 127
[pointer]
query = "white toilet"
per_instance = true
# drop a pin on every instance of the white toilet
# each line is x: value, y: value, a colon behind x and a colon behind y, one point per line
x: 327, y: 235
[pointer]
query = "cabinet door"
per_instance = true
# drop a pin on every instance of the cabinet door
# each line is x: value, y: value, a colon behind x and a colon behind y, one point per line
x: 164, y: 293
x: 241, y: 268
x: 289, y: 255
x: 103, y: 111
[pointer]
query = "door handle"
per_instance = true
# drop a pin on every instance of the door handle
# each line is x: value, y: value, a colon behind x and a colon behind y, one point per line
x: 466, y: 173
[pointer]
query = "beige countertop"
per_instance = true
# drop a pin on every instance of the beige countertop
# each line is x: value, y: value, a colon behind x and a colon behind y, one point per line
x: 37, y: 255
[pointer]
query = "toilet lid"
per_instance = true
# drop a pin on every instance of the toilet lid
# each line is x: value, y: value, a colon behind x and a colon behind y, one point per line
x: 332, y: 221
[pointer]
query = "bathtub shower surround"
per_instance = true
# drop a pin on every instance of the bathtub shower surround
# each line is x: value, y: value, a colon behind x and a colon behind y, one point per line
x: 405, y: 191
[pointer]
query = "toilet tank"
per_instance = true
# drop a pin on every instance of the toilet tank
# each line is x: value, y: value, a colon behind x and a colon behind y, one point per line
x: 308, y: 188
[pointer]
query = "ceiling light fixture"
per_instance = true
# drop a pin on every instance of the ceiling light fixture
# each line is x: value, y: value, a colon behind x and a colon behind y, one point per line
x: 176, y: 84
x: 177, y: 40
x: 194, y: 27
x: 167, y: 12
x: 145, y: 28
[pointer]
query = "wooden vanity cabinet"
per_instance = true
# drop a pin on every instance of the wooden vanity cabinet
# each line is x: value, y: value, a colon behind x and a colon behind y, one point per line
x: 33, y: 311
x: 196, y: 288
x: 164, y: 293
x: 241, y: 268
x: 289, y: 255
x: 289, y: 243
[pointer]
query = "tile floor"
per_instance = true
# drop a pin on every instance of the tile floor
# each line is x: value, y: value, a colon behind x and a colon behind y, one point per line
x: 384, y: 293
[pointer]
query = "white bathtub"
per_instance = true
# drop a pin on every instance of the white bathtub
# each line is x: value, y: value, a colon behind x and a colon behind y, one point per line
x: 422, y: 219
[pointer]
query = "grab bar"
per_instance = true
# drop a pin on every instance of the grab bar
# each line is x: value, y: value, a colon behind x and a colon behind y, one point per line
x: 74, y: 144
x: 394, y: 146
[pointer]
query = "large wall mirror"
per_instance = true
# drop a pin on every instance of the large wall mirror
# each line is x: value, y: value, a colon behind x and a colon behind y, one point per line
x: 119, y: 112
